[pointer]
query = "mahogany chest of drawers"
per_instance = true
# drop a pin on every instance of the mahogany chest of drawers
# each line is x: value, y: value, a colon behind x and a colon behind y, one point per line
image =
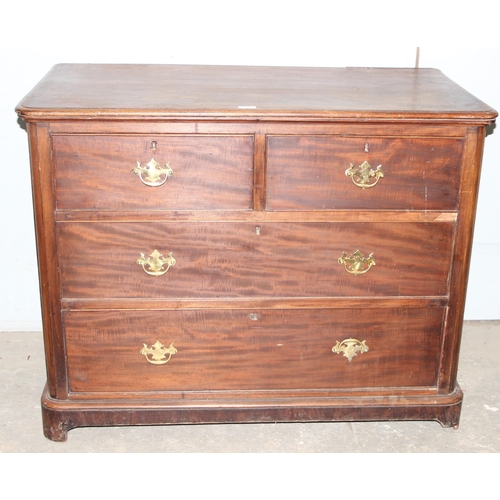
x: 247, y: 244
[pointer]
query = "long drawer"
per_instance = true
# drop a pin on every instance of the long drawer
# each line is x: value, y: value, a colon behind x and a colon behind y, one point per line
x: 97, y: 172
x: 257, y: 350
x: 217, y: 260
x: 329, y: 172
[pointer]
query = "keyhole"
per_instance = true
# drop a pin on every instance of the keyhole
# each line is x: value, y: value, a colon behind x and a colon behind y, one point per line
x: 257, y: 230
x: 367, y: 147
x: 153, y: 145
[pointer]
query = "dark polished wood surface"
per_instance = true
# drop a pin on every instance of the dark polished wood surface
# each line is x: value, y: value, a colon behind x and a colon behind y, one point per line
x: 308, y: 173
x: 257, y: 213
x: 96, y: 172
x: 156, y: 90
x: 224, y: 260
x: 240, y: 350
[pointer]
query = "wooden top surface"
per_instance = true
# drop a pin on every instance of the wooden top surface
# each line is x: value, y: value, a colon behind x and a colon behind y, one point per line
x: 181, y: 91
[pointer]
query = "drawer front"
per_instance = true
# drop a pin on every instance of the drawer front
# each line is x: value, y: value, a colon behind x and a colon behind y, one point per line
x: 207, y: 172
x: 221, y: 260
x: 309, y: 173
x: 242, y: 350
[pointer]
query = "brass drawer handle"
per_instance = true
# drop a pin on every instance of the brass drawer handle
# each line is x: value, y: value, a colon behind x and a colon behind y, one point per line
x: 157, y: 353
x: 362, y: 176
x: 350, y: 348
x: 357, y: 263
x: 153, y: 174
x: 156, y: 264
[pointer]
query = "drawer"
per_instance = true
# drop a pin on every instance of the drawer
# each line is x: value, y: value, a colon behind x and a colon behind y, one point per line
x: 222, y: 260
x: 309, y: 173
x: 251, y: 350
x: 209, y: 172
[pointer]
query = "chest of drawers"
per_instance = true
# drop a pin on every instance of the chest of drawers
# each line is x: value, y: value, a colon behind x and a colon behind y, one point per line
x: 245, y: 244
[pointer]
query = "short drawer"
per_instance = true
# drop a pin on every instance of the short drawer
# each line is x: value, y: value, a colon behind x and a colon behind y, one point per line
x: 239, y: 259
x: 135, y: 351
x: 190, y: 173
x: 329, y: 173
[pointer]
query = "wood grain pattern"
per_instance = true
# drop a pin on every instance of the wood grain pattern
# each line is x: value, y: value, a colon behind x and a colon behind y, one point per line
x: 397, y: 128
x: 257, y: 214
x: 59, y: 417
x: 462, y: 252
x: 220, y: 260
x: 308, y: 173
x: 391, y: 302
x: 96, y: 172
x: 227, y: 350
x: 46, y: 238
x: 164, y: 91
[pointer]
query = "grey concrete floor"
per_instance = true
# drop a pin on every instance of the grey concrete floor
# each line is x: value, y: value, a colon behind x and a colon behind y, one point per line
x: 22, y: 377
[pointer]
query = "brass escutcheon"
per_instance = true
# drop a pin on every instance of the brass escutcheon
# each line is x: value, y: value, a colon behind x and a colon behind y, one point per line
x: 153, y: 174
x: 156, y: 264
x: 363, y: 175
x: 357, y: 263
x: 157, y: 353
x: 350, y: 348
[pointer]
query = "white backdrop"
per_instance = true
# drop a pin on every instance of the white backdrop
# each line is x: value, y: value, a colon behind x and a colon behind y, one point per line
x: 35, y: 35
